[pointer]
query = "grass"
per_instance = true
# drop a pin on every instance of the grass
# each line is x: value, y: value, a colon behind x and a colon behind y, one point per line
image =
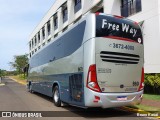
x: 151, y: 97
x: 20, y: 78
x: 146, y: 108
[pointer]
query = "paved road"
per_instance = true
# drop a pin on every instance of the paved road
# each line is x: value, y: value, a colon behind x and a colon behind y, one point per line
x: 15, y: 97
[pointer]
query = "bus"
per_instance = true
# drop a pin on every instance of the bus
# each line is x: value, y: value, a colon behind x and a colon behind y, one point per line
x: 96, y: 63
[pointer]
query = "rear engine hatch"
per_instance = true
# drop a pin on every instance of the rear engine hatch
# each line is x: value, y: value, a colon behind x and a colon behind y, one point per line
x: 118, y: 70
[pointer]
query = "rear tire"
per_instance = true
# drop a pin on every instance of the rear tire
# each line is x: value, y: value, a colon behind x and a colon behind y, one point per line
x: 56, y: 96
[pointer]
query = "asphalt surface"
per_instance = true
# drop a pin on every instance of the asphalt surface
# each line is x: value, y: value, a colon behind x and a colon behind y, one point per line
x: 15, y: 97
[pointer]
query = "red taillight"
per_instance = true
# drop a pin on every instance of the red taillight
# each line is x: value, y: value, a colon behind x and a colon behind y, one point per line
x: 142, y: 81
x: 92, y: 79
x: 135, y: 23
x: 116, y: 16
x: 97, y: 13
x: 97, y: 98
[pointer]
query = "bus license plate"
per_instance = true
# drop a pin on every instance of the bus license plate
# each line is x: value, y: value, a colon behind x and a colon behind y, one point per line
x: 122, y: 98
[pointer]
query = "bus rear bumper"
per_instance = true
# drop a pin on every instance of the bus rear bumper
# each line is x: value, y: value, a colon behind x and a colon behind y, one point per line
x: 109, y: 100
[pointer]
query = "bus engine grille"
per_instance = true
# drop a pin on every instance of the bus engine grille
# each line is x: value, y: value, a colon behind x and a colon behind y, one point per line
x: 117, y: 57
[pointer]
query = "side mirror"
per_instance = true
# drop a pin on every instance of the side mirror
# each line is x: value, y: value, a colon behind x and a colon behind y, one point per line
x: 25, y: 69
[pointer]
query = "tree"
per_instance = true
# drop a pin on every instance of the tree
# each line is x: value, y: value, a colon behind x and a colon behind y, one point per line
x: 19, y: 63
x: 2, y: 73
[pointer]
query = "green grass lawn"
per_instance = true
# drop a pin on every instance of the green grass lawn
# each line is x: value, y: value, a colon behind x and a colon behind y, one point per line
x: 19, y: 78
x: 151, y: 97
x: 147, y: 108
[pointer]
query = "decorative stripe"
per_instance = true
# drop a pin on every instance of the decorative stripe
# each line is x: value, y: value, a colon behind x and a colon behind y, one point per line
x: 121, y: 38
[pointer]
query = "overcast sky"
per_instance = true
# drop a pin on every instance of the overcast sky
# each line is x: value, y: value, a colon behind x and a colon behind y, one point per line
x: 18, y: 18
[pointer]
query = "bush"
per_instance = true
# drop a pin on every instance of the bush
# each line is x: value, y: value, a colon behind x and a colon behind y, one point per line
x: 22, y: 76
x: 152, y: 83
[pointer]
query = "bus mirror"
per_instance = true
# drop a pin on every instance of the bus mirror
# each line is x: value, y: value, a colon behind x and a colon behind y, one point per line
x: 25, y: 69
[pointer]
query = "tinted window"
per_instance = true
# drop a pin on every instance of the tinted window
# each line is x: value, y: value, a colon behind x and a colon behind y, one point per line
x: 55, y: 22
x: 43, y: 32
x: 30, y: 45
x: 38, y: 37
x: 110, y: 26
x: 35, y: 38
x: 62, y: 47
x: 77, y: 6
x: 65, y: 14
x: 48, y: 27
x: 130, y: 7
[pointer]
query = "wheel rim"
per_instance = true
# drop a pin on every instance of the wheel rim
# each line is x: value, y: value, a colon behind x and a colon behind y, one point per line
x: 56, y: 96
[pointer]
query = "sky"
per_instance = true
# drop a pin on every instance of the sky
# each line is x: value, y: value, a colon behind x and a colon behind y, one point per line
x: 18, y: 18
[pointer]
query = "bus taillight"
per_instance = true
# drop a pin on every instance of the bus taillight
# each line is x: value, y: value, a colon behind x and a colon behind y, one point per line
x: 92, y: 79
x: 116, y: 16
x: 142, y: 81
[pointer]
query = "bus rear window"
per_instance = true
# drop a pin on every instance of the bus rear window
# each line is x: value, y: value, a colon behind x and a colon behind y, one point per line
x: 108, y: 26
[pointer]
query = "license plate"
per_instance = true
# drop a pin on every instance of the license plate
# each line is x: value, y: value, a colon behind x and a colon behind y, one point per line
x: 122, y: 98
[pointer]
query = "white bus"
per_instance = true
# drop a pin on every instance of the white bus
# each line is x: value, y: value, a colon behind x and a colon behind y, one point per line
x: 96, y: 63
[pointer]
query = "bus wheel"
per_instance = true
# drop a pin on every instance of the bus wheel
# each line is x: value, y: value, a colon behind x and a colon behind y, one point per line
x: 56, y: 96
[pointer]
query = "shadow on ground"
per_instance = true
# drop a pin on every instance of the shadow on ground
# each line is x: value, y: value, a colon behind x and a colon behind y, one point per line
x: 87, y: 113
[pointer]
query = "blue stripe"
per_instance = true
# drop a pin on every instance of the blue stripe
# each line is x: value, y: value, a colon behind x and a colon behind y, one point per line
x: 71, y: 86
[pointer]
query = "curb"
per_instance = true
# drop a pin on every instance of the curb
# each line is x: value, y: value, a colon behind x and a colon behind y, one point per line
x: 2, y: 84
x: 23, y: 83
x: 139, y: 111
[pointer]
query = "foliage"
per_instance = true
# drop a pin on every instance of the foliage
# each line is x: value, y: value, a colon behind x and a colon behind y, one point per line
x: 11, y: 73
x: 19, y: 63
x: 152, y: 79
x: 19, y: 78
x: 2, y: 73
x: 22, y: 76
x: 152, y: 83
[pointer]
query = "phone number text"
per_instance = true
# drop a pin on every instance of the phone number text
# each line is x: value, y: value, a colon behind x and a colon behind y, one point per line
x: 122, y: 46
